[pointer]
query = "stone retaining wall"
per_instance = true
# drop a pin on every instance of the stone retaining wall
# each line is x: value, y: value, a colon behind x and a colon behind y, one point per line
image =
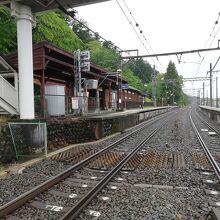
x: 7, y: 153
x: 63, y: 132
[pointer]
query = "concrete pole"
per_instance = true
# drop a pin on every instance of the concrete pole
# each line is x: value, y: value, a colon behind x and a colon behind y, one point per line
x: 207, y: 98
x: 154, y: 88
x: 203, y: 93
x: 210, y: 84
x: 97, y: 101
x: 216, y: 92
x: 25, y: 20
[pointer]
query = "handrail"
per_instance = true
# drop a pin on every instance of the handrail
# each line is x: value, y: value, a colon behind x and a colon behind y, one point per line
x: 8, y: 93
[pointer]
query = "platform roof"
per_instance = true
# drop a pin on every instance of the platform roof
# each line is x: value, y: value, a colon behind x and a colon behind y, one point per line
x: 45, y: 5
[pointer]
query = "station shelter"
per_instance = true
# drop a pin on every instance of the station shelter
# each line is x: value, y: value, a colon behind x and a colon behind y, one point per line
x: 54, y: 85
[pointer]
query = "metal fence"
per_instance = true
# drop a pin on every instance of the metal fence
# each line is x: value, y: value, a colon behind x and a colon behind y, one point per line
x: 207, y: 102
x: 58, y: 105
x: 29, y: 139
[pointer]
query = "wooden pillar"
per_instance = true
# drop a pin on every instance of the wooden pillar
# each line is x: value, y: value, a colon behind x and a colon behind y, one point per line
x: 110, y: 96
x: 43, y: 100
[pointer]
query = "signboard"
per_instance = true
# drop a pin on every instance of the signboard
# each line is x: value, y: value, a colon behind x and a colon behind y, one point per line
x: 92, y: 84
x: 75, y: 103
x: 125, y: 86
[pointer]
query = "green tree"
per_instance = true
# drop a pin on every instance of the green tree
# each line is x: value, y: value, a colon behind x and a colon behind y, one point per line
x: 159, y: 83
x: 50, y: 27
x: 53, y: 28
x: 81, y: 31
x: 172, y: 84
x: 108, y: 44
x: 105, y: 57
x: 131, y: 78
x: 142, y: 69
x: 8, y: 40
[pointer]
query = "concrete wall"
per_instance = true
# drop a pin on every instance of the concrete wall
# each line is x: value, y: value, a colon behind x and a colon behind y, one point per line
x: 212, y: 113
x: 122, y: 122
x: 67, y: 131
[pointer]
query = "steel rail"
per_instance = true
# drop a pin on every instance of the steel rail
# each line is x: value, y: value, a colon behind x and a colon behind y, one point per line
x: 27, y: 196
x: 205, y: 149
x: 75, y: 211
x: 210, y: 126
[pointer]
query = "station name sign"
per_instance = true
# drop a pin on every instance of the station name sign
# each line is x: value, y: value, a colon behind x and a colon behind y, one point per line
x: 125, y: 86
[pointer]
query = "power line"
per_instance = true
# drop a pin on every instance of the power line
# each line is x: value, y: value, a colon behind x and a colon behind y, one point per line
x: 216, y: 63
x: 141, y: 31
x: 173, y: 53
x: 216, y: 22
x: 72, y: 15
x: 213, y: 29
x: 211, y: 42
x: 134, y: 29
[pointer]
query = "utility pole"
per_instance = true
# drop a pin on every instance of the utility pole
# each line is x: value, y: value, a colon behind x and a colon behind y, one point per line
x: 81, y: 63
x: 211, y: 84
x: 198, y: 98
x: 207, y: 98
x: 203, y: 93
x: 154, y: 88
x: 216, y: 92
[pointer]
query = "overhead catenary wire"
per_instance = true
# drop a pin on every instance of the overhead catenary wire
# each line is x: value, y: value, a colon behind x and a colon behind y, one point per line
x: 129, y: 21
x: 61, y: 7
x: 216, y: 63
x: 213, y: 29
x: 131, y: 25
x: 211, y: 42
x: 201, y: 59
x: 141, y: 31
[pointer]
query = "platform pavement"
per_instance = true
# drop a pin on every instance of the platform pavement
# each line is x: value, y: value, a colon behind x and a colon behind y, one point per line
x: 212, y: 112
x: 210, y: 108
x: 116, y: 114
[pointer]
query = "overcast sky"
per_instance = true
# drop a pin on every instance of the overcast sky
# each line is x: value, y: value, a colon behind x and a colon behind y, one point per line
x: 169, y: 26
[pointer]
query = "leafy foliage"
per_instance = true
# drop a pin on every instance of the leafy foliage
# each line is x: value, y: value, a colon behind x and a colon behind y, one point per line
x: 105, y: 57
x: 172, y: 87
x: 83, y: 33
x: 53, y: 28
x: 132, y: 79
x: 8, y: 40
x: 141, y: 69
x: 50, y: 27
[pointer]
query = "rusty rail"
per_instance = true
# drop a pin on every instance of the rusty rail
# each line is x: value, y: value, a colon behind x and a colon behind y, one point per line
x: 24, y: 198
x: 75, y: 211
x: 205, y: 149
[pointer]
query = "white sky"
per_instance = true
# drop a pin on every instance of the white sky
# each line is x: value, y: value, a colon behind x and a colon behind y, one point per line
x: 169, y: 26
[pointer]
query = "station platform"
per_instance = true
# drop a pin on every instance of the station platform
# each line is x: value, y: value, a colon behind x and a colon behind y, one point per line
x: 212, y: 112
x: 115, y: 114
x: 106, y: 123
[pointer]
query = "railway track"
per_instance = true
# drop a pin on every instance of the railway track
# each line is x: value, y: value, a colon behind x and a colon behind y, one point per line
x: 137, y: 178
x: 209, y: 140
x: 210, y: 135
x: 169, y: 170
x: 35, y: 198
